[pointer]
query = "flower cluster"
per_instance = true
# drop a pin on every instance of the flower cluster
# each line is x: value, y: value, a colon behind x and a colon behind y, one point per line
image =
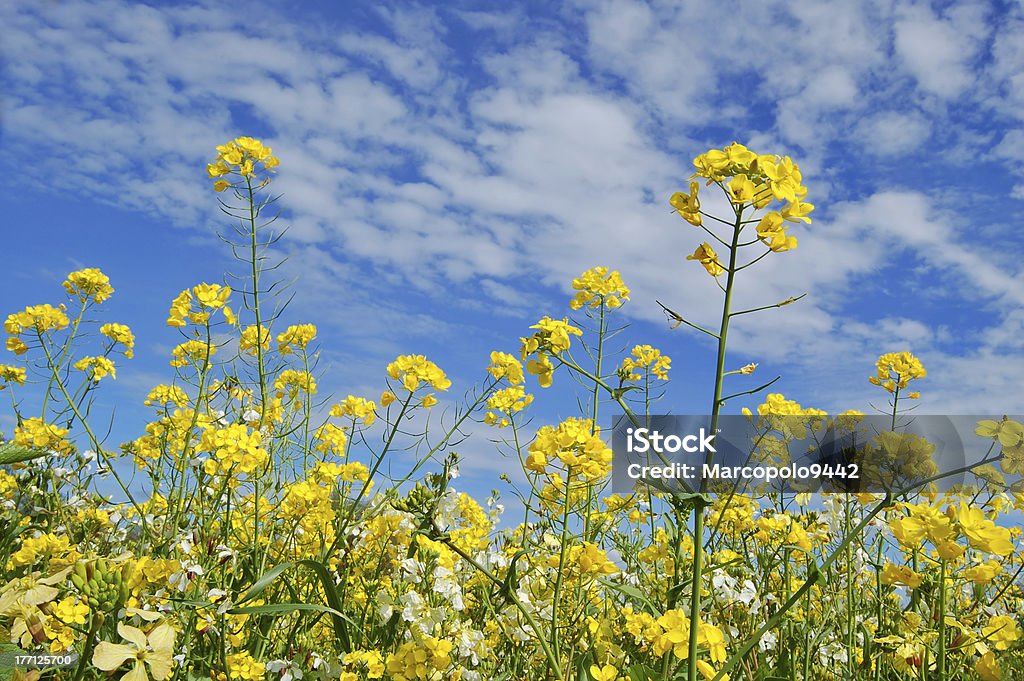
x: 196, y: 305
x: 242, y: 155
x: 754, y: 180
x: 647, y: 358
x: 896, y: 370
x: 598, y: 286
x: 551, y: 339
x: 575, y: 444
x: 89, y: 284
x: 38, y: 318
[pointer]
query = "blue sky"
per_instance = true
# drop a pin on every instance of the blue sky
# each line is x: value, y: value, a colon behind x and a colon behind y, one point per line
x: 448, y: 168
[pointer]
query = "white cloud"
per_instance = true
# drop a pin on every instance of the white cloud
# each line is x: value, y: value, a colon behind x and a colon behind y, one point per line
x: 400, y: 171
x: 939, y: 53
x: 892, y: 133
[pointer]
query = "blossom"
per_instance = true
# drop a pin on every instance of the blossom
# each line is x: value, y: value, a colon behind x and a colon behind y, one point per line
x: 605, y: 673
x: 645, y: 357
x: 987, y: 667
x: 688, y: 205
x: 599, y: 286
x: 504, y: 365
x: 96, y: 367
x: 120, y: 334
x: 707, y: 257
x: 35, y: 433
x: 10, y: 375
x: 415, y: 370
x: 896, y: 370
x: 901, y: 575
x: 241, y: 155
x: 89, y: 284
x: 254, y: 337
x: 357, y: 408
x: 1001, y: 631
x: 155, y: 650
x: 297, y: 336
x: 982, y: 532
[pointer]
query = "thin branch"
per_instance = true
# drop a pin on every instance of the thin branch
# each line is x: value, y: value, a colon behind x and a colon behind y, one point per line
x: 749, y: 392
x: 787, y: 301
x: 678, y: 319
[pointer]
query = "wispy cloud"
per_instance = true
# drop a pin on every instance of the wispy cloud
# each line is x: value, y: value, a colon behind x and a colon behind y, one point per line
x: 446, y: 168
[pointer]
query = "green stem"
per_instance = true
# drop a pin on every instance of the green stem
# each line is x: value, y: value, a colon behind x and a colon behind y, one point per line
x: 254, y: 257
x: 561, y: 563
x: 701, y: 504
x: 942, y: 621
x: 552, y: 660
x: 90, y: 643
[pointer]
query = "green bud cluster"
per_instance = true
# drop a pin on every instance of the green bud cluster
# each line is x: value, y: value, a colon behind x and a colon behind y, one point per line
x: 418, y: 500
x: 103, y: 583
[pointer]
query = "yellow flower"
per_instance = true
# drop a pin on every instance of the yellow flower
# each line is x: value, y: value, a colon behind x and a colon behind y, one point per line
x: 240, y: 155
x: 213, y: 296
x: 253, y: 336
x: 1008, y: 433
x: 983, y: 574
x: 119, y: 333
x: 771, y: 230
x: 645, y: 357
x: 35, y: 433
x: 599, y: 286
x: 243, y: 666
x: 414, y: 370
x: 89, y: 284
x: 606, y: 673
x: 10, y: 375
x: 707, y: 257
x: 155, y: 650
x: 96, y: 367
x: 504, y: 365
x: 900, y: 574
x: 797, y: 211
x: 1001, y: 631
x: 896, y: 370
x: 298, y: 336
x: 709, y: 672
x: 688, y: 205
x: 741, y: 190
x: 193, y: 350
x: 357, y: 408
x: 987, y: 668
x: 982, y: 532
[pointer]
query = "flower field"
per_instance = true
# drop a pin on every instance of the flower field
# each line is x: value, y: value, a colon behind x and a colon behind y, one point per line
x: 278, y: 537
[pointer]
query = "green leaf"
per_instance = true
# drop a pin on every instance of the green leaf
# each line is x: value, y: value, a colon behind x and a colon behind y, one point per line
x: 11, y: 453
x: 631, y: 592
x: 639, y: 672
x: 330, y: 591
x: 263, y: 582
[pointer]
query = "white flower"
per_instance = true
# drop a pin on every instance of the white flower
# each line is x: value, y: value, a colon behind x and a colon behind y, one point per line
x: 287, y: 669
x: 449, y: 587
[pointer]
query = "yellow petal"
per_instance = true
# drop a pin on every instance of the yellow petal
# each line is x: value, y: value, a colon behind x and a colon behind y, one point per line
x: 109, y: 656
x: 132, y: 635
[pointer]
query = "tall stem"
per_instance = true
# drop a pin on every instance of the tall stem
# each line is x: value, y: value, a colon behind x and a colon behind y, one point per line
x: 254, y: 257
x: 701, y: 503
